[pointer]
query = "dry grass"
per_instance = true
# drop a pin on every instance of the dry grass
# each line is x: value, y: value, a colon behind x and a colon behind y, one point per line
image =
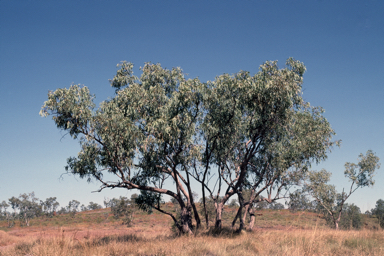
x: 277, y: 233
x: 6, y: 239
x: 259, y: 242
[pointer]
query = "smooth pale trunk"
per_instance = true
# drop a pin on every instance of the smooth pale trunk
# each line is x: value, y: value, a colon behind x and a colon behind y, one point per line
x: 338, y: 219
x: 253, y: 218
x: 219, y: 209
x: 246, y: 210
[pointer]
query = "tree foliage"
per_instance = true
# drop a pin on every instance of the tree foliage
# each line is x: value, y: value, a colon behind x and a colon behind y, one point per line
x: 351, y: 217
x: 73, y: 207
x: 124, y: 209
x: 93, y: 206
x: 378, y: 211
x: 49, y: 206
x: 299, y: 201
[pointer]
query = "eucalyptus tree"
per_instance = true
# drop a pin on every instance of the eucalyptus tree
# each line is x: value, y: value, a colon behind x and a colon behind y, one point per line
x: 73, y: 207
x: 360, y: 175
x: 350, y: 219
x: 49, y: 206
x: 378, y: 211
x: 142, y: 136
x: 299, y: 201
x: 3, y: 210
x: 28, y: 207
x: 93, y: 206
x: 123, y: 208
x: 162, y: 127
x: 4, y: 214
x: 284, y: 162
x: 248, y: 121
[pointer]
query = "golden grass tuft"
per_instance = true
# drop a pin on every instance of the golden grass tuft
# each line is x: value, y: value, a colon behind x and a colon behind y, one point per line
x: 6, y: 239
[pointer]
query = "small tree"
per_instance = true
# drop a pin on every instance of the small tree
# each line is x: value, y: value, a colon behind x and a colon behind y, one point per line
x: 49, y: 206
x: 73, y: 207
x: 351, y: 219
x: 378, y: 211
x: 4, y: 214
x: 361, y: 175
x: 93, y: 206
x: 276, y: 206
x: 123, y: 208
x: 262, y: 204
x: 107, y: 202
x: 299, y: 201
x: 62, y: 210
x: 9, y: 217
x: 233, y: 203
x: 3, y: 209
x: 28, y: 207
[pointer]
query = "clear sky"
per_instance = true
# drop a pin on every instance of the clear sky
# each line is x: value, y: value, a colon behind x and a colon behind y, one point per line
x: 45, y: 45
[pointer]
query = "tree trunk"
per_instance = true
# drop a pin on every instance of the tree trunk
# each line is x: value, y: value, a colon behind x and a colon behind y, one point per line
x: 219, y: 209
x: 247, y: 209
x: 241, y: 219
x: 253, y: 218
x: 196, y: 215
x: 336, y: 225
x: 238, y: 215
x: 186, y: 220
x: 338, y: 218
x: 205, y: 210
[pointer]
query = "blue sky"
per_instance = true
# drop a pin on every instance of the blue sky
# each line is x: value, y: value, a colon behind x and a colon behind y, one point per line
x: 45, y: 45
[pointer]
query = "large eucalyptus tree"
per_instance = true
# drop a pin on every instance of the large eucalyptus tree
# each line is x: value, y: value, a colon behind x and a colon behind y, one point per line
x: 253, y: 126
x: 143, y: 136
x: 284, y: 162
x: 162, y: 126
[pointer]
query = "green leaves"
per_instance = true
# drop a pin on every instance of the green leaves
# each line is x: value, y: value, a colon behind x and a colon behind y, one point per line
x: 362, y: 173
x: 71, y: 108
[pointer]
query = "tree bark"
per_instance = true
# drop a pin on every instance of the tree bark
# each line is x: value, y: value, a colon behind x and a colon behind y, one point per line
x: 218, y: 223
x: 186, y: 220
x: 238, y: 215
x: 197, y: 218
x: 253, y: 218
x: 336, y: 225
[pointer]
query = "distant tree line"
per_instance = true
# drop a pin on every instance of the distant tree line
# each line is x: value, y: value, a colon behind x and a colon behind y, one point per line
x: 27, y: 206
